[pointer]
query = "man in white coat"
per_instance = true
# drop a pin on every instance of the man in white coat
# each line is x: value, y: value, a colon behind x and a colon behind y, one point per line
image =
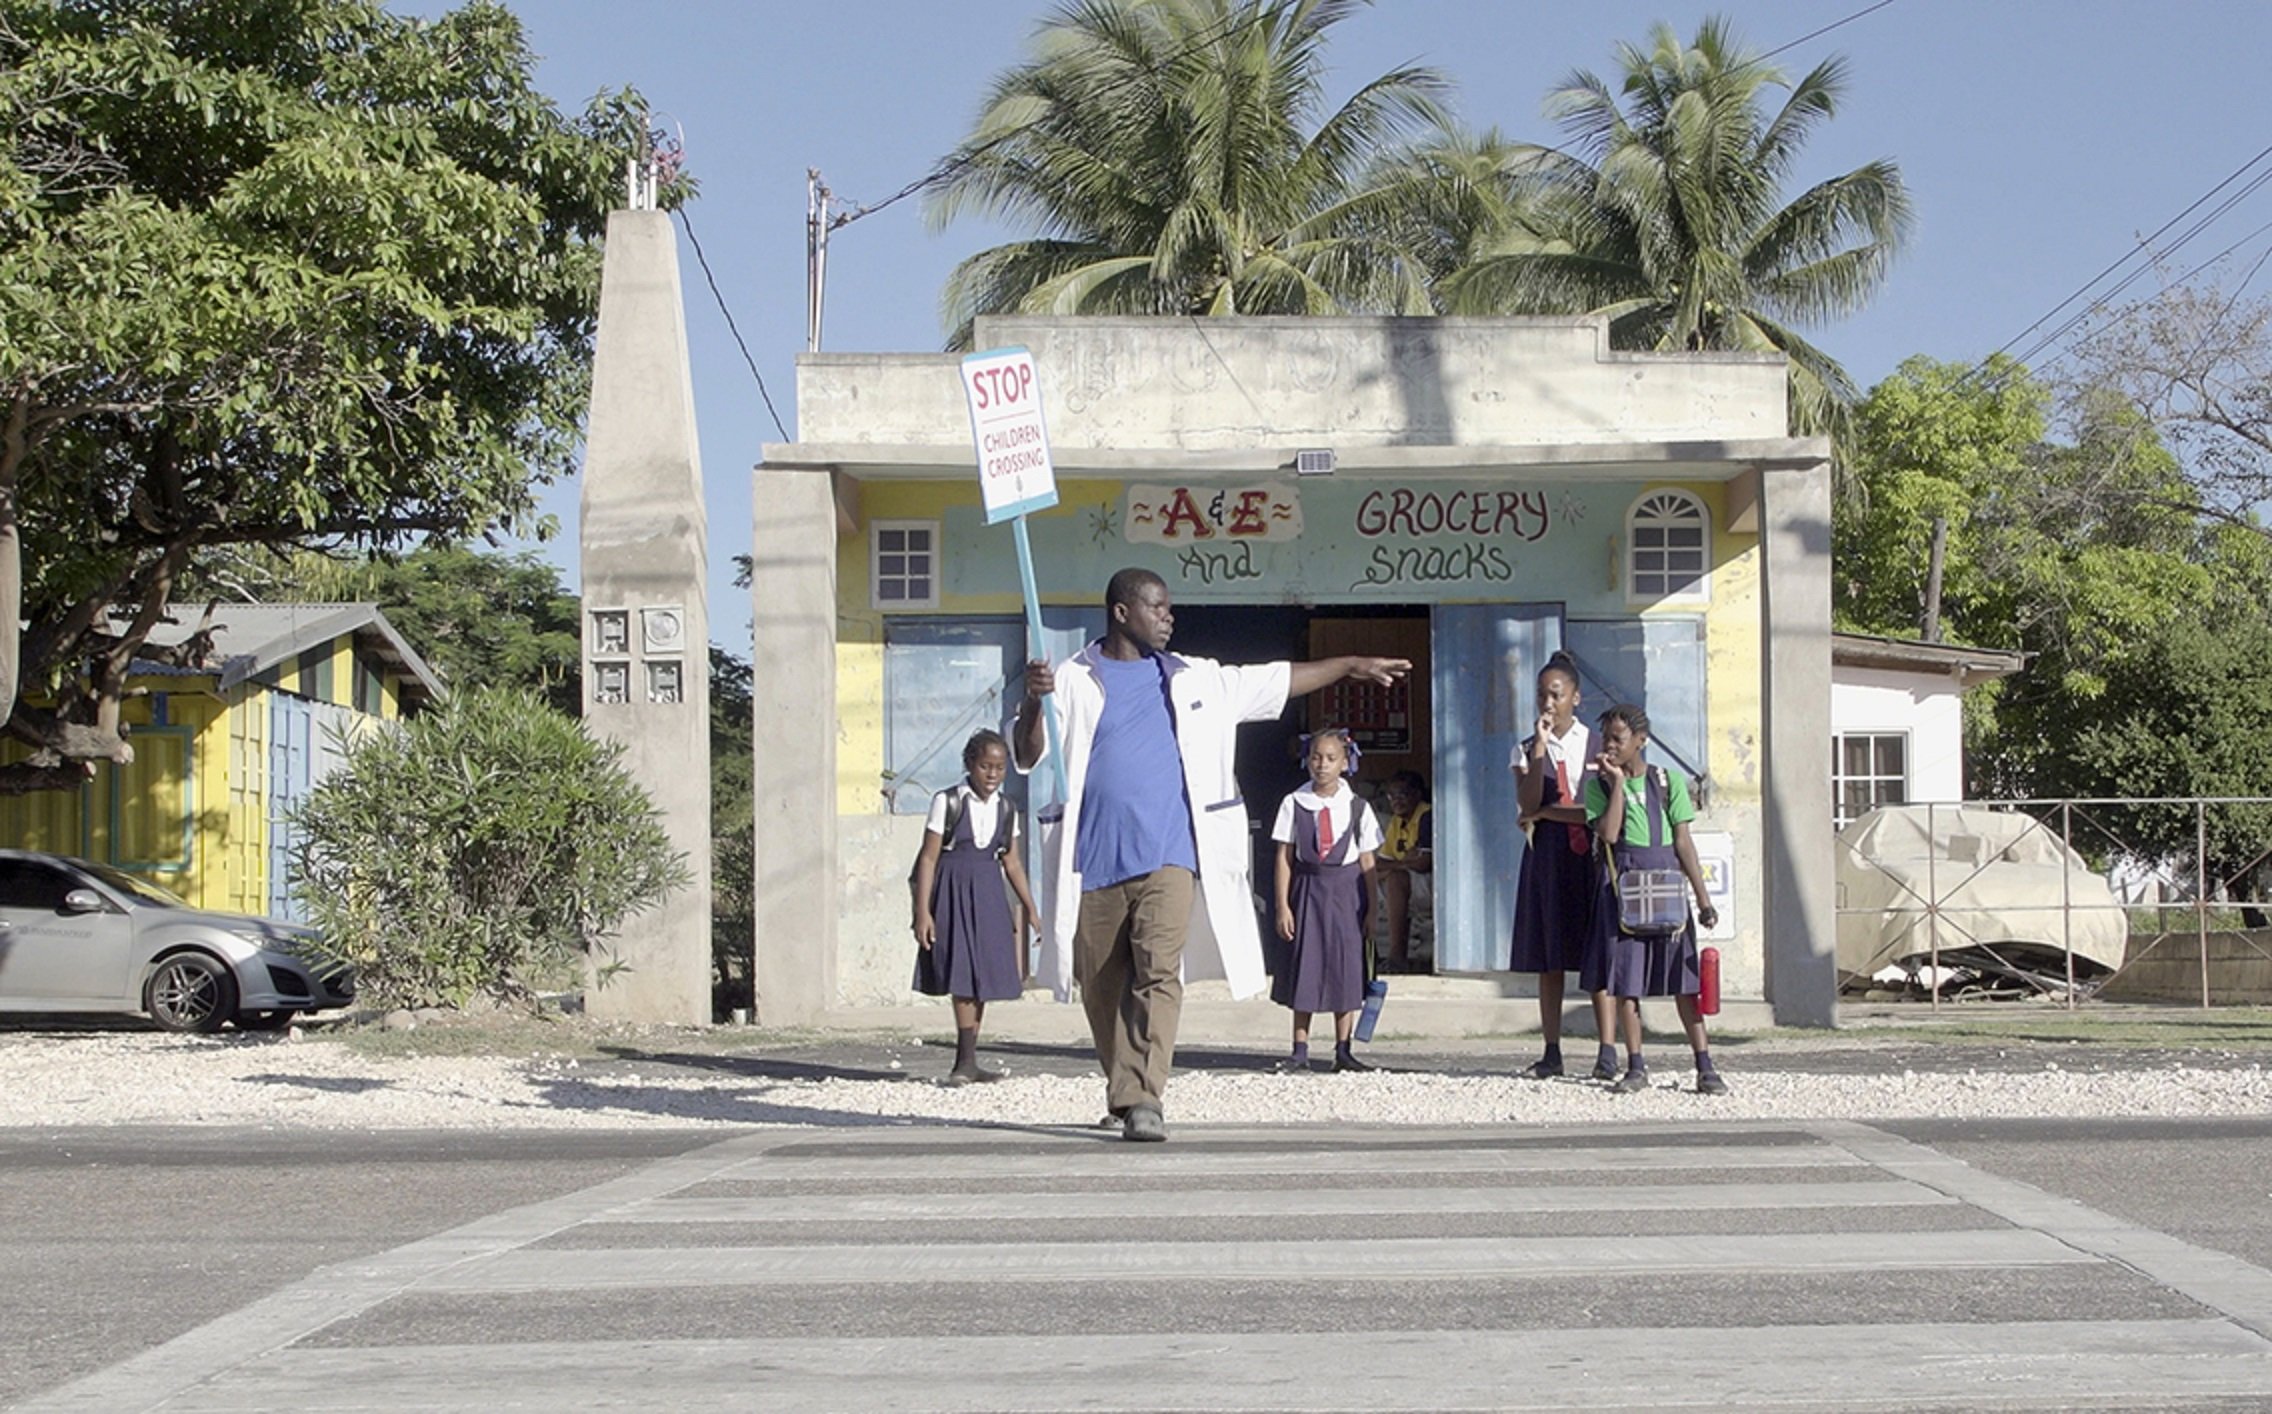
x: 1153, y: 817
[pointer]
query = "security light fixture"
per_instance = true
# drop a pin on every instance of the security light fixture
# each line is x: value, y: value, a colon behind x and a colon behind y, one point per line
x: 1314, y: 463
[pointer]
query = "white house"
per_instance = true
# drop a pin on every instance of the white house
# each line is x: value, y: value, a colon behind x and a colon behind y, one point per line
x: 1897, y: 718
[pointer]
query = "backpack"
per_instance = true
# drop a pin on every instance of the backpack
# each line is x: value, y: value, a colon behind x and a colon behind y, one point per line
x: 1651, y: 903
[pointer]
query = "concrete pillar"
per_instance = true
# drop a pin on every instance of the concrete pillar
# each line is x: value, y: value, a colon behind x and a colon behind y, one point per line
x: 793, y: 612
x: 646, y: 613
x: 1799, y: 861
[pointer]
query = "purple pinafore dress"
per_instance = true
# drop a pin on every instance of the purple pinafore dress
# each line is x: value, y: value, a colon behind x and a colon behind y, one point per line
x: 1644, y: 967
x: 975, y: 950
x: 1554, y: 899
x: 1325, y: 964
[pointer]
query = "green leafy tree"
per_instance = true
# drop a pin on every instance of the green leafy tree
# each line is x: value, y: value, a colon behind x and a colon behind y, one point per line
x: 733, y: 834
x: 480, y: 849
x: 275, y: 272
x: 1664, y: 212
x: 1173, y: 156
x: 2143, y: 619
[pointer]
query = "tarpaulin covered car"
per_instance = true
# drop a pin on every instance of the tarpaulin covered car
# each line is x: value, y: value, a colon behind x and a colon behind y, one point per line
x: 2011, y: 896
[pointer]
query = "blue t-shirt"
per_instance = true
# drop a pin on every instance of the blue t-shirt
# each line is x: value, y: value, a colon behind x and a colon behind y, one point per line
x: 1135, y: 816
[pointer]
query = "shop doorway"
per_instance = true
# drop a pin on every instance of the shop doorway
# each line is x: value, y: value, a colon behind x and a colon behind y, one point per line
x: 1394, y: 726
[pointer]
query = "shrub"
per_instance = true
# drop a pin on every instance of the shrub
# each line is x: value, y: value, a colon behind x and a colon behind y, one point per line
x: 483, y: 848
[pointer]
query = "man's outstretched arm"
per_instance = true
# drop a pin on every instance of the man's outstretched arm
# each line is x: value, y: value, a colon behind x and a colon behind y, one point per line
x: 1305, y: 678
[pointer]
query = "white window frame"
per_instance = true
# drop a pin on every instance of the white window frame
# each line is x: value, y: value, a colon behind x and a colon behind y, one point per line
x: 1840, y: 778
x: 1668, y: 510
x: 877, y: 579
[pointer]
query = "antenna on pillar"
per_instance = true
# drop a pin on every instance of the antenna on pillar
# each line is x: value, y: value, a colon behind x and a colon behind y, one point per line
x: 655, y: 165
x: 817, y: 224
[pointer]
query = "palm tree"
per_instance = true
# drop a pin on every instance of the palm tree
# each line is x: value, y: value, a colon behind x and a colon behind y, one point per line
x: 1164, y: 150
x: 1664, y: 215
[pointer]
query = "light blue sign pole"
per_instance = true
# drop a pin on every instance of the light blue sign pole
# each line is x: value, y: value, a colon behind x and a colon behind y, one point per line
x: 1015, y: 476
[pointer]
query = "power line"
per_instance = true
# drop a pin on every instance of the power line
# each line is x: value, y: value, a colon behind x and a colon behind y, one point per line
x: 950, y: 166
x: 2144, y: 247
x: 1817, y: 34
x: 735, y: 330
x: 2099, y: 305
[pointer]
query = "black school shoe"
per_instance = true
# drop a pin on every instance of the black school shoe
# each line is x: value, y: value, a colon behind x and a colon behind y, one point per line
x: 1144, y: 1125
x: 1709, y: 1083
x: 1542, y: 1069
x: 1632, y: 1082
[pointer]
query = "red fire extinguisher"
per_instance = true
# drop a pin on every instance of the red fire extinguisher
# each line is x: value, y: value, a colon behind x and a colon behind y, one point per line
x: 1708, y: 981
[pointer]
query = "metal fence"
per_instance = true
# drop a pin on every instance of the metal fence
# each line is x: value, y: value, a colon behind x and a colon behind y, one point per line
x: 2139, y: 899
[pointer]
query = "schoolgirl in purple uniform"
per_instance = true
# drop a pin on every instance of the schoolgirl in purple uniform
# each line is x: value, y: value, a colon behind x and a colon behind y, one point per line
x: 1642, y: 815
x: 968, y: 942
x: 1554, y: 898
x: 1327, y: 839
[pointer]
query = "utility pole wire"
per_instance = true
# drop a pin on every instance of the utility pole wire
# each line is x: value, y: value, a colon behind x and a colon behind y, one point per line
x: 2143, y: 247
x: 731, y: 327
x: 954, y: 163
x: 1817, y: 34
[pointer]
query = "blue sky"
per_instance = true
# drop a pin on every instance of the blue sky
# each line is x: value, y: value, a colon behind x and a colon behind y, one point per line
x: 2041, y: 139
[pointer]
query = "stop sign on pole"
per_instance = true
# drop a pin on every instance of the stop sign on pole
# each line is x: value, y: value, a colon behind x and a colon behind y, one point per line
x: 1014, y: 471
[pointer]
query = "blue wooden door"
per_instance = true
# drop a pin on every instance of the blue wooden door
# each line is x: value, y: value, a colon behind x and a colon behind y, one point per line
x: 291, y: 766
x: 1656, y: 663
x: 1484, y: 668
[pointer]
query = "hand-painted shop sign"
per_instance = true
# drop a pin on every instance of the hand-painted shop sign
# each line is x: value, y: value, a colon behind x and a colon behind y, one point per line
x: 1485, y: 513
x: 1185, y: 515
x: 1014, y: 471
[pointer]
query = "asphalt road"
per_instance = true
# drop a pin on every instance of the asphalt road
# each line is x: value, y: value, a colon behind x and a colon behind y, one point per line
x: 1923, y: 1265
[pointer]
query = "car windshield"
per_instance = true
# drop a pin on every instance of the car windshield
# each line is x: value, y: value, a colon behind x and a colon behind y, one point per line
x: 140, y: 890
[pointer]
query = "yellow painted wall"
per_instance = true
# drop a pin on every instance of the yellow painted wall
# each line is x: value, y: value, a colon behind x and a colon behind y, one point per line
x: 860, y: 626
x: 245, y: 845
x: 1731, y: 648
x: 50, y: 820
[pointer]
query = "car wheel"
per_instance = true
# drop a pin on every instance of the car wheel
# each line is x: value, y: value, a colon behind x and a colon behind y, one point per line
x: 264, y: 1020
x: 190, y: 991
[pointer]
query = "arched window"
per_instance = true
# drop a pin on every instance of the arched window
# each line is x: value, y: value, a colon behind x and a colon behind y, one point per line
x: 1668, y: 544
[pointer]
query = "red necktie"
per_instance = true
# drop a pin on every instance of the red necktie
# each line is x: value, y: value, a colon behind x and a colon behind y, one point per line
x: 1578, y: 840
x: 1324, y: 830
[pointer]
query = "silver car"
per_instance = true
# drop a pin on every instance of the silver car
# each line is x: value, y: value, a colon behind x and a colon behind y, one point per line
x: 82, y: 937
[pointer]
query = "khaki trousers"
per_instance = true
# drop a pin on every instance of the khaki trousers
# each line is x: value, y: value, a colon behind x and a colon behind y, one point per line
x: 1128, y: 957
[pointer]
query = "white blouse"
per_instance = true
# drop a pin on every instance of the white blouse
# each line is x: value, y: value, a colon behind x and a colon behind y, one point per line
x: 1335, y: 808
x: 982, y: 814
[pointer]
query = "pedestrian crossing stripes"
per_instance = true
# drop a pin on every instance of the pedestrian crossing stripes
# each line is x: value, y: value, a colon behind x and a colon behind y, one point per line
x: 1783, y: 1267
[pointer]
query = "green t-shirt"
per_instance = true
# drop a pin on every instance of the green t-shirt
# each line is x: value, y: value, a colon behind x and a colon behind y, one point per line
x: 1679, y: 809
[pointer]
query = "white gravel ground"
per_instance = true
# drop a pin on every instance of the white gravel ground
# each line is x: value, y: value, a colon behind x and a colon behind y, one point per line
x: 288, y: 1082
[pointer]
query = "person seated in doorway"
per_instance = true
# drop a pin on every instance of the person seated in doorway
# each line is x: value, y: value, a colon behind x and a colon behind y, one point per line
x: 1407, y: 862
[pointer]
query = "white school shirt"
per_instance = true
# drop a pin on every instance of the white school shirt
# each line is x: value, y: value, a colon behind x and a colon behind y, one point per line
x: 1336, y: 808
x: 982, y: 814
x: 1574, y: 749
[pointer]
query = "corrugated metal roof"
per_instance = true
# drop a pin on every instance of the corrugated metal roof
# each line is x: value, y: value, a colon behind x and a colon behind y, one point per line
x: 250, y: 639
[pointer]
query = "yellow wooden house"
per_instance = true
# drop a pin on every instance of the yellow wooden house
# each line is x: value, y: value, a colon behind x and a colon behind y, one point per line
x: 223, y: 752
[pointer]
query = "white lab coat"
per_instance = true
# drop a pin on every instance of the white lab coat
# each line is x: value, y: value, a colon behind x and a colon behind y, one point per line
x: 1208, y: 701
